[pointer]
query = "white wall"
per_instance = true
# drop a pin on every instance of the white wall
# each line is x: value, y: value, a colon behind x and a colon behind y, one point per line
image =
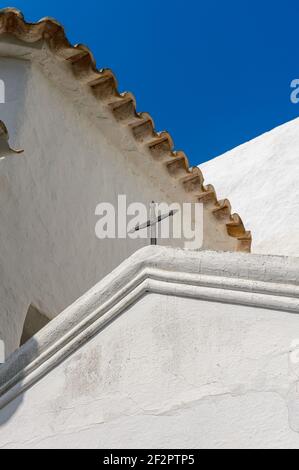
x: 170, y: 372
x: 75, y: 156
x: 259, y: 178
x: 168, y: 368
x: 49, y: 253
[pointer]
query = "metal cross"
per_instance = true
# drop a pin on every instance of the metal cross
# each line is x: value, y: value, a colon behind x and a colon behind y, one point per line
x: 152, y: 222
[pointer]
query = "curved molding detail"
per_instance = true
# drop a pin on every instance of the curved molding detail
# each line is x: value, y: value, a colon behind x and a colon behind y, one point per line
x: 269, y: 282
x: 5, y: 148
x: 123, y: 106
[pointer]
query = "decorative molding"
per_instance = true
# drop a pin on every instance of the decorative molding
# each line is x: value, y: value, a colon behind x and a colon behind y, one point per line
x: 267, y: 282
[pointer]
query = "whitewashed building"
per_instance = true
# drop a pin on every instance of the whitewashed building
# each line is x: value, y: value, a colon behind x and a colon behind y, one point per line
x: 110, y: 343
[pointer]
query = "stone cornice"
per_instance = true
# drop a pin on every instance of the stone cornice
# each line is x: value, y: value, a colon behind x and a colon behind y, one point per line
x: 269, y: 282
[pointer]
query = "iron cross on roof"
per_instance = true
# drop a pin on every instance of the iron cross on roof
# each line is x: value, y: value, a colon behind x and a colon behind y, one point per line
x: 153, y: 221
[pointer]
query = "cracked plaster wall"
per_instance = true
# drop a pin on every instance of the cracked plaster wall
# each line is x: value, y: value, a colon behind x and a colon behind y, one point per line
x: 169, y: 372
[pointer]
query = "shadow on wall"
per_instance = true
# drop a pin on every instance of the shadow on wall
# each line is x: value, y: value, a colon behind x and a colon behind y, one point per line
x: 28, y: 351
x: 35, y: 320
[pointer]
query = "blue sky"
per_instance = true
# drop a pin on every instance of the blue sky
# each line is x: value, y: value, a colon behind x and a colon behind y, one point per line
x: 214, y: 74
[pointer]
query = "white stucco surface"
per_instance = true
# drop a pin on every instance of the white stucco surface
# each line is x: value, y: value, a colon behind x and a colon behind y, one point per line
x: 172, y: 349
x: 49, y: 251
x: 75, y: 156
x: 260, y: 180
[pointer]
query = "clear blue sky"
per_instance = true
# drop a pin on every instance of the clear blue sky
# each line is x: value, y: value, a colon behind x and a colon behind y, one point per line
x: 214, y: 74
